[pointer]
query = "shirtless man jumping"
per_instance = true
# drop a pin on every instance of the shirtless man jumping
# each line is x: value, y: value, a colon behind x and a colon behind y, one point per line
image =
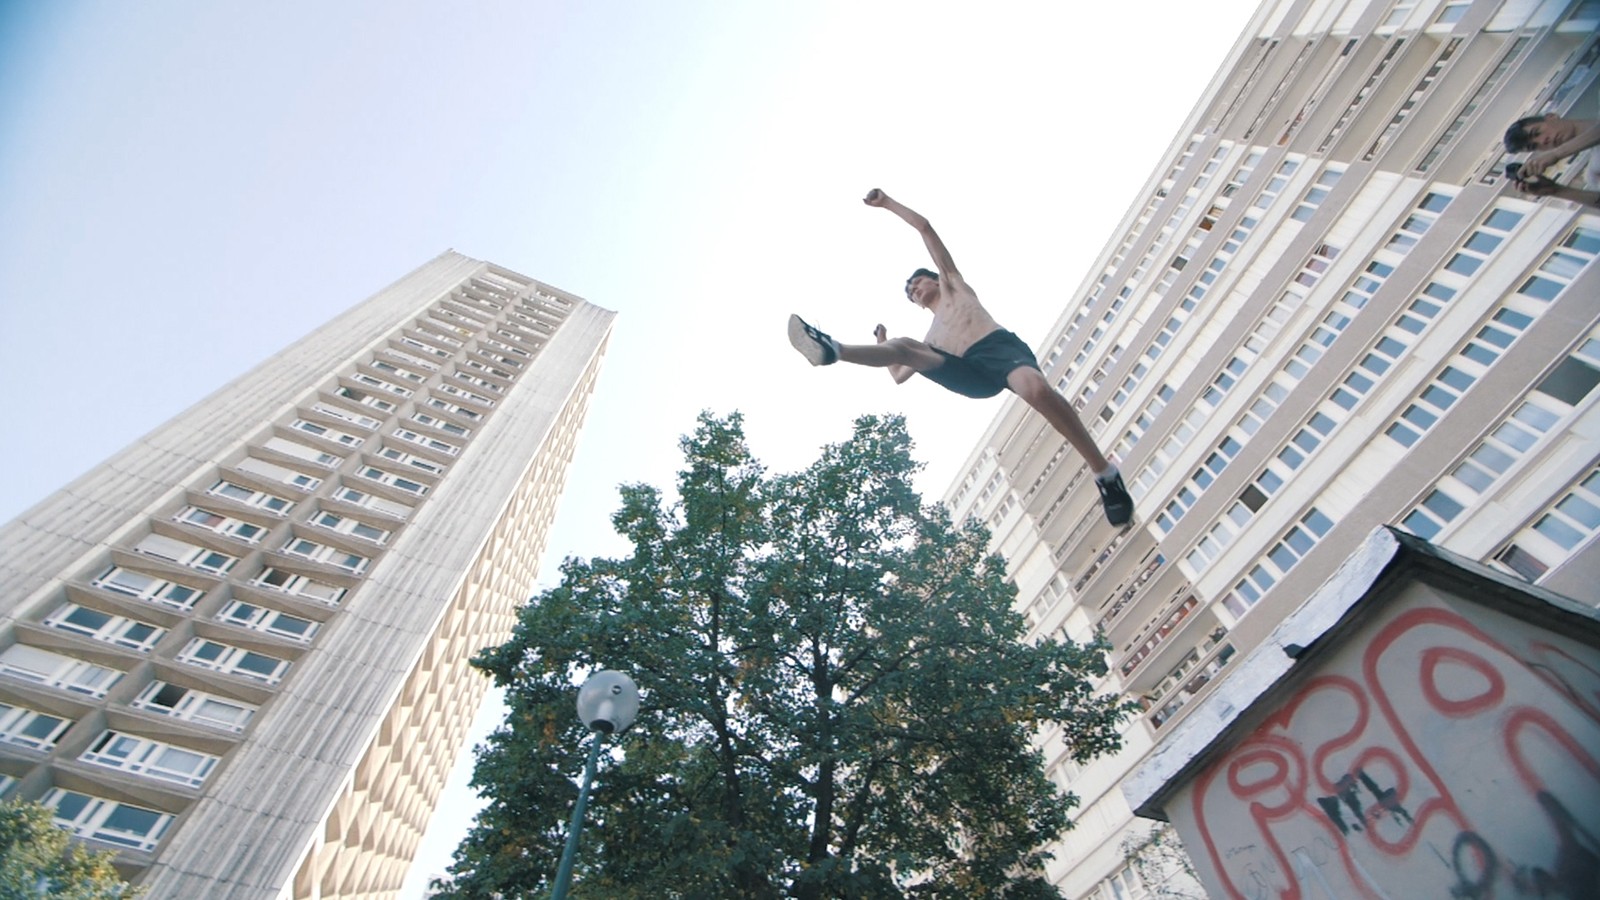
x: 965, y: 351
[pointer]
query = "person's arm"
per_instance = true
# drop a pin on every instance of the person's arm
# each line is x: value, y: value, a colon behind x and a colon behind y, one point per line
x: 1539, y: 161
x: 930, y: 238
x: 1544, y: 187
x: 899, y: 373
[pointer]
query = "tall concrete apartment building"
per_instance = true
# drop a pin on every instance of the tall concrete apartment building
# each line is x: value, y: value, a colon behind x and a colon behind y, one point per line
x: 237, y: 652
x: 1326, y: 312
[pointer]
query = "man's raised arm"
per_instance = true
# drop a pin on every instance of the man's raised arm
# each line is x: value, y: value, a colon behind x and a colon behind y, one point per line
x: 930, y: 238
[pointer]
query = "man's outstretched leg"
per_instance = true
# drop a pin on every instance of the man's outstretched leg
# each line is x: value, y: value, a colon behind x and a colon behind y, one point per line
x: 819, y: 349
x: 1030, y: 384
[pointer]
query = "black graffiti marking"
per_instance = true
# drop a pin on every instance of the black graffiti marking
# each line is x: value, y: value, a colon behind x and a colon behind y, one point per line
x: 1345, y: 792
x: 1467, y: 887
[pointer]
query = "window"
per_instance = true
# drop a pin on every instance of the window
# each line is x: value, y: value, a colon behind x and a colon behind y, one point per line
x: 389, y: 478
x: 101, y: 626
x: 416, y: 344
x: 30, y: 728
x: 99, y: 819
x: 347, y: 525
x: 326, y: 433
x: 1540, y: 413
x: 301, y: 451
x: 347, y: 494
x: 147, y: 587
x: 56, y: 670
x: 1279, y: 559
x: 444, y: 425
x: 194, y: 706
x: 339, y: 412
x: 1318, y: 193
x: 392, y: 369
x: 278, y: 473
x: 233, y: 660
x: 397, y: 455
x: 455, y: 408
x: 269, y: 621
x: 227, y: 526
x: 1418, y: 93
x: 477, y: 366
x: 465, y: 394
x: 155, y: 759
x: 376, y: 382
x: 299, y: 586
x: 322, y: 553
x: 407, y: 434
x: 251, y: 497
x: 184, y: 554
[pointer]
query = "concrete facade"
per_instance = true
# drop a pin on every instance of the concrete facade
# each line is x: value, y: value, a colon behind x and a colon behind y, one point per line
x: 237, y: 651
x: 1325, y: 313
x: 1421, y: 727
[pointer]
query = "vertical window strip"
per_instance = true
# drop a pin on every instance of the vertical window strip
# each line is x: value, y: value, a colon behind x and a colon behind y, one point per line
x: 1548, y: 281
x: 1361, y: 96
x: 1516, y: 435
x: 1424, y: 86
x: 1278, y: 561
x: 1448, y: 139
x: 1557, y: 534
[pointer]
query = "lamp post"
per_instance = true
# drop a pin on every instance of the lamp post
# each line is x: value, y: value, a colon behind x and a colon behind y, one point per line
x: 607, y: 704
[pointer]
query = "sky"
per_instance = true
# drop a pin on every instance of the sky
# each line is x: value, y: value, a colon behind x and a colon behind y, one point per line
x: 170, y: 170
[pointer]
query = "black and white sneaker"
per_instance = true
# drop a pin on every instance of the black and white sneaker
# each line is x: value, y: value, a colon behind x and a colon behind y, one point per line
x: 1114, y: 497
x: 816, y: 347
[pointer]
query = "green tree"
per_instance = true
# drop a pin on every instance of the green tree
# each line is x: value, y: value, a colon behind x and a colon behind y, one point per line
x: 837, y: 699
x: 37, y: 859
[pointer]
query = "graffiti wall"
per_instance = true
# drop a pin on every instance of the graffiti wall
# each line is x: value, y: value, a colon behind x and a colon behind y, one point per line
x: 1443, y: 750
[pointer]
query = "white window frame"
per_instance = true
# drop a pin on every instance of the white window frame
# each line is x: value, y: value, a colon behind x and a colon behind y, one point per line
x: 299, y: 586
x: 305, y: 548
x: 19, y: 725
x: 205, y: 653
x: 406, y: 434
x: 117, y: 579
x: 346, y: 494
x: 249, y: 496
x: 345, y: 415
x: 398, y: 482
x: 267, y: 621
x: 444, y: 425
x: 57, y: 670
x: 303, y: 452
x: 99, y: 819
x: 151, y: 758
x: 350, y: 526
x: 291, y: 477
x: 379, y: 383
x: 119, y: 631
x: 185, y: 554
x: 195, y: 706
x: 400, y: 456
x: 217, y: 523
x: 322, y: 431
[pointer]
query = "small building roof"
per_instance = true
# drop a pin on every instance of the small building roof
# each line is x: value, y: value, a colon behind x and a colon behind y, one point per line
x: 1387, y: 561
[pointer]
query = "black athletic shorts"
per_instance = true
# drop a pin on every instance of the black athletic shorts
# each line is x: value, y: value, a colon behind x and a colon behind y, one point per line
x: 982, y: 370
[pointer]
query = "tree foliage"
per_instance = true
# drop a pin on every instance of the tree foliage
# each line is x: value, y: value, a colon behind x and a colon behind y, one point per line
x: 836, y: 698
x: 37, y: 859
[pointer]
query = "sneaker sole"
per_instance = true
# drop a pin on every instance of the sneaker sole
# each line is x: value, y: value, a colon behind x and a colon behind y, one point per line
x: 814, y: 352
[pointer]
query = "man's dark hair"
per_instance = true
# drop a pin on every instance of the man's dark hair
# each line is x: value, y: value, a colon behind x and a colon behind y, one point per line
x: 1517, y: 138
x: 928, y: 272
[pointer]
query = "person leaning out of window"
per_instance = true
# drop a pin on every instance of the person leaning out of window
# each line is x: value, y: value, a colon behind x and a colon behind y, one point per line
x: 1548, y: 139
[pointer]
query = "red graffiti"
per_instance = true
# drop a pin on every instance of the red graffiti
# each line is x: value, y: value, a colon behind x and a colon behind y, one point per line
x: 1444, y: 759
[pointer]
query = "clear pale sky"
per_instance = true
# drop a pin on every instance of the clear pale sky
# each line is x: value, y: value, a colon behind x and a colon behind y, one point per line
x: 170, y: 170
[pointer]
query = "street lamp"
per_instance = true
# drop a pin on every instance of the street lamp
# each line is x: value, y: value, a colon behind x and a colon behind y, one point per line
x: 607, y: 704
